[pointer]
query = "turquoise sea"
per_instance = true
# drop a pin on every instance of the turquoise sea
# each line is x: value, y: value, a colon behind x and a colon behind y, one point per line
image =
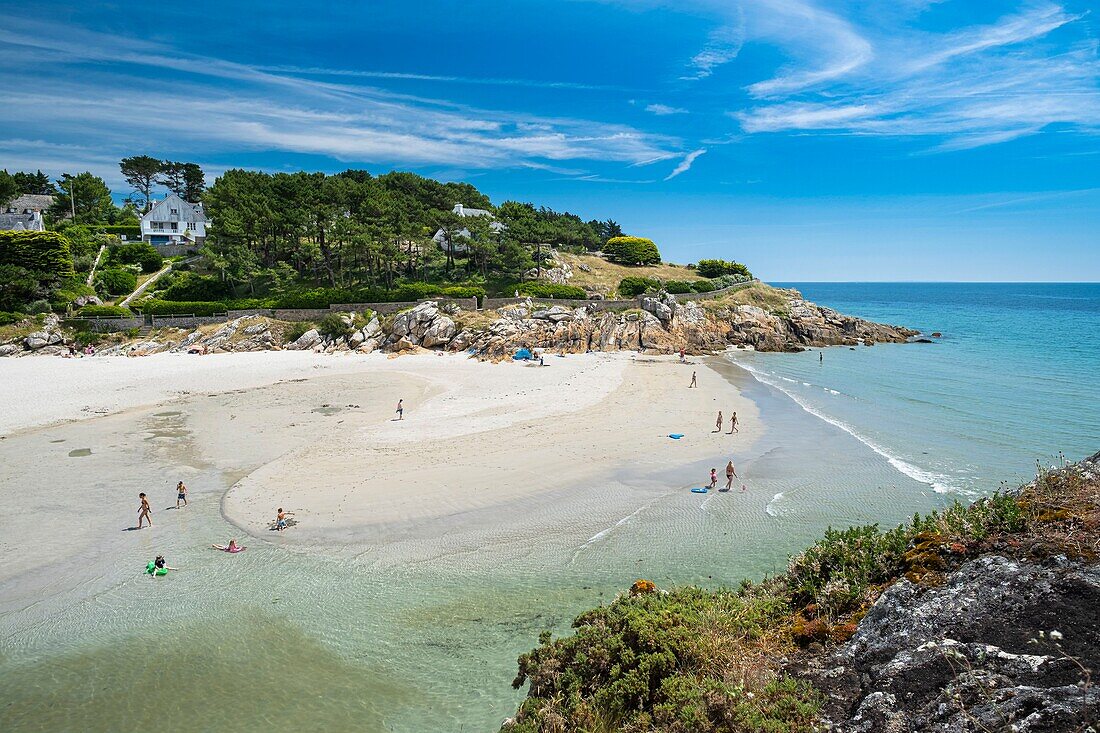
x: 1014, y: 378
x: 283, y: 639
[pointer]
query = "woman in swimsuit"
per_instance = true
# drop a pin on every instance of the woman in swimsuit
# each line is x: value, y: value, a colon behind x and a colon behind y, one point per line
x: 731, y: 474
x: 144, y: 512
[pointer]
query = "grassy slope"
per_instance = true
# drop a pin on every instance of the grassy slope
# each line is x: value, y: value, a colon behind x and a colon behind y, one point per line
x: 709, y: 661
x: 605, y: 276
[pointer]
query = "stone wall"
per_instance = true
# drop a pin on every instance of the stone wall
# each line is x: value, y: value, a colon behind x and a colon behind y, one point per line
x: 494, y: 303
x: 186, y: 321
x: 716, y: 293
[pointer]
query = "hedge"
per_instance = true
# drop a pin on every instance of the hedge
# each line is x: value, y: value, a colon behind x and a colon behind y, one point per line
x: 188, y: 286
x: 552, y: 291
x: 632, y: 251
x: 130, y: 231
x: 630, y: 286
x: 703, y: 286
x: 103, y: 311
x: 186, y: 308
x: 7, y: 318
x: 45, y: 254
x: 115, y: 281
x: 717, y: 268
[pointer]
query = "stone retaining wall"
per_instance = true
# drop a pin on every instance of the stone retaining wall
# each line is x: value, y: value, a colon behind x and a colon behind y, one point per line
x: 716, y: 293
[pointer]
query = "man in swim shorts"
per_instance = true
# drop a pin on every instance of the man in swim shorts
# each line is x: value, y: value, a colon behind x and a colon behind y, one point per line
x: 400, y: 410
x: 145, y: 511
x: 181, y: 494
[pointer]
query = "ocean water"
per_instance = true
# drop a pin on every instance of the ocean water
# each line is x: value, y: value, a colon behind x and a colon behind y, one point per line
x: 1014, y: 378
x: 283, y: 639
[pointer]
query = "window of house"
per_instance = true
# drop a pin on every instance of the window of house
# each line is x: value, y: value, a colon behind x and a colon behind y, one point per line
x: 175, y: 226
x: 175, y: 211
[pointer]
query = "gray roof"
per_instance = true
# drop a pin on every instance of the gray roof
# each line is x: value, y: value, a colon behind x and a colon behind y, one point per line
x: 162, y: 210
x: 29, y: 202
x: 21, y: 222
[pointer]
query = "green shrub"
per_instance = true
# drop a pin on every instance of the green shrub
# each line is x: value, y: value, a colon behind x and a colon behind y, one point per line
x: 631, y: 286
x: 333, y: 326
x: 552, y: 291
x: 32, y: 265
x: 7, y: 318
x: 115, y: 281
x: 103, y: 311
x: 717, y: 268
x: 189, y: 286
x: 142, y: 254
x: 702, y: 286
x: 726, y: 280
x: 463, y: 291
x: 296, y: 330
x: 38, y: 307
x: 632, y: 251
x: 678, y: 287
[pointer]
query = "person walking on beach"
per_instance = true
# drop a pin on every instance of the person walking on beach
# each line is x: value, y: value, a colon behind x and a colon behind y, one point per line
x: 181, y: 494
x: 733, y: 424
x: 145, y: 511
x: 400, y: 409
x: 693, y: 382
x: 731, y: 474
x: 719, y: 423
x: 713, y: 478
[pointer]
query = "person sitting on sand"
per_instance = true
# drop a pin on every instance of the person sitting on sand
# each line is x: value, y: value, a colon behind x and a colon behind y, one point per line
x: 181, y: 494
x: 713, y: 478
x: 144, y: 511
x: 733, y: 423
x: 280, y: 519
x: 731, y: 474
x: 719, y: 423
x: 231, y: 547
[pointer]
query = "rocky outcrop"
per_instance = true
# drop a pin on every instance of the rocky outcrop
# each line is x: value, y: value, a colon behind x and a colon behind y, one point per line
x: 1002, y: 644
x: 662, y: 324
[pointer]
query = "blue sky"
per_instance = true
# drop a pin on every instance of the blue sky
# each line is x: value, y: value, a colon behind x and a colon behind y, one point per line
x: 813, y: 140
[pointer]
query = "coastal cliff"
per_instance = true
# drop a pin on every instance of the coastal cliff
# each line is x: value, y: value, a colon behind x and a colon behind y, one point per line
x: 760, y: 317
x: 979, y: 618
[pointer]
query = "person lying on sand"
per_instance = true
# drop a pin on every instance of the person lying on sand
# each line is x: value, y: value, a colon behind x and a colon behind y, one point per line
x: 231, y: 547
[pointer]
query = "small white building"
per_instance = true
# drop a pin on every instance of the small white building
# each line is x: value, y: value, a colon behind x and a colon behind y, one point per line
x: 173, y: 221
x: 457, y: 247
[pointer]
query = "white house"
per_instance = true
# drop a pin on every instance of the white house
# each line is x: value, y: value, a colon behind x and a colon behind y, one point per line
x: 457, y: 247
x: 173, y: 221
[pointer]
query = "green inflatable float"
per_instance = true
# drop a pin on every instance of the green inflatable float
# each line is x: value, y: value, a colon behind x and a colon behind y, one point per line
x: 152, y: 569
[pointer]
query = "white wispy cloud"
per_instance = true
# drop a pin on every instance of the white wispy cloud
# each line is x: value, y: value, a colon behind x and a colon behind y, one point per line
x: 206, y: 100
x: 685, y: 164
x: 964, y: 88
x: 662, y: 110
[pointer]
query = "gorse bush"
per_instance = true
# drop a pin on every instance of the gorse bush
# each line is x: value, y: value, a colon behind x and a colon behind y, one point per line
x: 717, y: 268
x: 188, y: 286
x: 115, y: 281
x: 333, y: 326
x: 632, y: 251
x: 631, y: 286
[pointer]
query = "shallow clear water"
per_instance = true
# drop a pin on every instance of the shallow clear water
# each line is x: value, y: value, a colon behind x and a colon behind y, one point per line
x: 280, y: 639
x: 1014, y: 379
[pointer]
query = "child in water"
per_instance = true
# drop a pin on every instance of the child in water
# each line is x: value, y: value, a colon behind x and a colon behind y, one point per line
x: 713, y: 478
